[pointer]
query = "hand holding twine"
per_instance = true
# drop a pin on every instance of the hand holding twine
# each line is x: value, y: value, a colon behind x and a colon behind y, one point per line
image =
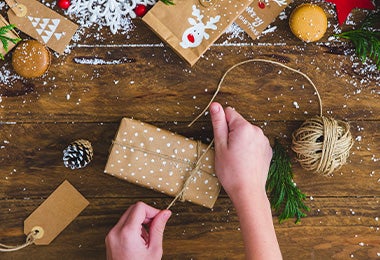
x: 322, y: 144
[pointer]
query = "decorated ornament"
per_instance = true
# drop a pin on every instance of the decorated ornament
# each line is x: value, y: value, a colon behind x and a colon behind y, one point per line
x: 64, y: 4
x: 31, y: 59
x: 78, y: 154
x: 308, y: 22
x: 322, y: 145
x: 344, y: 7
x: 140, y: 10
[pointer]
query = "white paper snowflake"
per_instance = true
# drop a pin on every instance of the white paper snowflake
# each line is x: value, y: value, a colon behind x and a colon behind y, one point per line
x: 116, y: 14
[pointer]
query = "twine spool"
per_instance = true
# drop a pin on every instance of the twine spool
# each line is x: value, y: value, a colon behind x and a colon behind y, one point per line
x: 322, y: 144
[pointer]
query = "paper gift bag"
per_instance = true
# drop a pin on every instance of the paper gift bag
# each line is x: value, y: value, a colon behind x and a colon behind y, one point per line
x: 259, y: 15
x: 191, y: 26
x: 163, y: 161
x: 10, y: 34
x: 43, y: 24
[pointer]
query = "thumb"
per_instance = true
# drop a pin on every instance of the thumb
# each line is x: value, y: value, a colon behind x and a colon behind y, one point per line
x: 219, y: 124
x: 234, y: 119
x: 156, y: 229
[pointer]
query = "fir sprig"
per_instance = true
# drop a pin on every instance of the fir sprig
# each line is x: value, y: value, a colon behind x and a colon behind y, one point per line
x: 285, y: 197
x: 366, y: 39
x: 5, y: 39
x: 168, y: 2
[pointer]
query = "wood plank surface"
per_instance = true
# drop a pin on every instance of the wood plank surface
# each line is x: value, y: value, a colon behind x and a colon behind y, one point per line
x: 40, y: 117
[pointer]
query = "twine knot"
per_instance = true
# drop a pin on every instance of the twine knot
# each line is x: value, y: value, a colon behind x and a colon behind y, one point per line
x: 322, y: 144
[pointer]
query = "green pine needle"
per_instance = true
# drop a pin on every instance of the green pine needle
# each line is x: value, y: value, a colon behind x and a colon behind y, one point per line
x: 5, y: 40
x: 285, y: 197
x: 366, y: 39
x: 168, y: 2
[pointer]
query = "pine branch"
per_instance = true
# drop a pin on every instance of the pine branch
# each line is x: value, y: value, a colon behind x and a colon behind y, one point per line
x: 5, y: 39
x: 168, y: 2
x: 285, y: 197
x: 366, y: 39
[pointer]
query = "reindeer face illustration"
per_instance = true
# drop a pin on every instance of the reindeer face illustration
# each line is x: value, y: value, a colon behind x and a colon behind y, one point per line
x: 193, y: 36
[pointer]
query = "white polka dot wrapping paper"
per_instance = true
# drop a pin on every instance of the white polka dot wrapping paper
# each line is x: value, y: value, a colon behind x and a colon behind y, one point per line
x: 161, y: 160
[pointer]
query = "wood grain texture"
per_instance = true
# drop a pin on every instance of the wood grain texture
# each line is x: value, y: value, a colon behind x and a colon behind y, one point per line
x: 40, y: 117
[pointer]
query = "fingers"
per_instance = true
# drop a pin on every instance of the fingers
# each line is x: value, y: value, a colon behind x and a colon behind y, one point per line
x: 219, y: 124
x: 139, y: 214
x: 156, y: 229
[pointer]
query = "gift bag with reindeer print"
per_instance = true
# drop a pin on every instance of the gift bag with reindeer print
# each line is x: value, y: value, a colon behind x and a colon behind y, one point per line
x: 191, y: 26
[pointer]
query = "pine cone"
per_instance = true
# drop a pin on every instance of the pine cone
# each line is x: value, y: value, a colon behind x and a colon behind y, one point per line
x: 78, y: 154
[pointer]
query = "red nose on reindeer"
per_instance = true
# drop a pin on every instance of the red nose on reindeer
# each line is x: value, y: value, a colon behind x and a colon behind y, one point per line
x: 190, y: 37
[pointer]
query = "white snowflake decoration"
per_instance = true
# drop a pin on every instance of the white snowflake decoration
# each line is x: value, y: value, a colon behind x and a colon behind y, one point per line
x: 113, y: 13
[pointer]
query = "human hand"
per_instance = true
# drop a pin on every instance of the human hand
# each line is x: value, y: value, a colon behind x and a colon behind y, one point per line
x: 242, y: 152
x: 129, y: 239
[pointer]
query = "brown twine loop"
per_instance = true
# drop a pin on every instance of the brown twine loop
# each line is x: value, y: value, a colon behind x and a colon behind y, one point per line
x: 30, y: 239
x: 322, y: 144
x: 181, y: 194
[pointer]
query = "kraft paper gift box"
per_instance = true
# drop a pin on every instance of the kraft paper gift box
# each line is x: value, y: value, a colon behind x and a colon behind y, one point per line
x: 163, y: 161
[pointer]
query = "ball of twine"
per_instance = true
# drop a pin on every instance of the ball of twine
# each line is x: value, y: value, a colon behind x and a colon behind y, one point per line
x: 322, y: 144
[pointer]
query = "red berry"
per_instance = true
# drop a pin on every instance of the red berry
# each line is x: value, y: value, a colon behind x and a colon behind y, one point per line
x: 140, y: 10
x: 64, y: 4
x: 261, y: 5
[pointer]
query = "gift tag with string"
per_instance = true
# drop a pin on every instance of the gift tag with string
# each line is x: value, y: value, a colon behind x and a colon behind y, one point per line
x: 51, y: 217
x: 41, y: 23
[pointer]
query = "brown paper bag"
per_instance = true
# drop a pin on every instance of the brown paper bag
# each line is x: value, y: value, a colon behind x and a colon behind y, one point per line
x: 11, y: 34
x: 163, y: 161
x: 259, y: 15
x: 191, y: 26
x: 44, y: 25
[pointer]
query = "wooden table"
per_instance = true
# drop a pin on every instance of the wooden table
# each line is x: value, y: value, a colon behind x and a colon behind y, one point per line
x: 40, y: 117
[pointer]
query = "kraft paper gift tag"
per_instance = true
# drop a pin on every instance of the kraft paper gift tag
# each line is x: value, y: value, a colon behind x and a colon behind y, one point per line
x: 55, y: 213
x: 191, y: 26
x: 259, y: 15
x: 42, y: 23
x: 10, y: 34
x: 163, y: 161
x: 51, y: 217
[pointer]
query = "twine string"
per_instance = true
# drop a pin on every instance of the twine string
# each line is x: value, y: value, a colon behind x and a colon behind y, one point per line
x: 30, y: 238
x: 181, y: 194
x: 257, y: 60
